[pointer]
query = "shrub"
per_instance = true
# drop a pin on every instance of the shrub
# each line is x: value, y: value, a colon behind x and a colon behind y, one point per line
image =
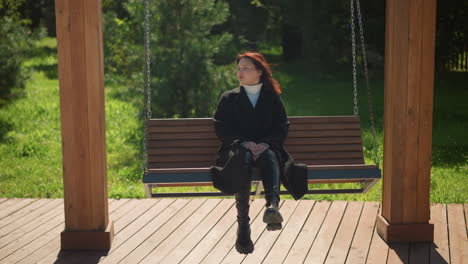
x: 15, y: 44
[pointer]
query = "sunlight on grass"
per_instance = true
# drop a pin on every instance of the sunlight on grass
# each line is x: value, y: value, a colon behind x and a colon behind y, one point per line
x: 31, y: 149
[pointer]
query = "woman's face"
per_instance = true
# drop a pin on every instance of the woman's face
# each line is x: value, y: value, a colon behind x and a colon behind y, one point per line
x: 247, y: 73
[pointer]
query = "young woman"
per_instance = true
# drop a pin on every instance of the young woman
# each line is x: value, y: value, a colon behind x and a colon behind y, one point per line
x: 252, y: 117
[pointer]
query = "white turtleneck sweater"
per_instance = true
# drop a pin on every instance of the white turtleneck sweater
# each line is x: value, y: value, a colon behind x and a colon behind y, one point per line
x: 253, y: 91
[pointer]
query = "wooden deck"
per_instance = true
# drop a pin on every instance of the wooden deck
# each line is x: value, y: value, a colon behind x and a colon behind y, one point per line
x: 204, y: 231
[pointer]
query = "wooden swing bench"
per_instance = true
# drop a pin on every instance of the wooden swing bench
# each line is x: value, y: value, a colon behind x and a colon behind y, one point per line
x: 180, y: 152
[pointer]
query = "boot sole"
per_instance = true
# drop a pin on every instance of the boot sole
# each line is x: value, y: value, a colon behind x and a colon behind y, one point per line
x: 245, y: 249
x: 274, y: 227
x: 272, y: 216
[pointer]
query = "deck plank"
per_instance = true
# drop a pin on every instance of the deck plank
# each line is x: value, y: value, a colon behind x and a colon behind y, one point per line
x: 362, y: 239
x: 29, y: 221
x: 52, y: 246
x: 398, y: 253
x: 2, y: 200
x: 125, y: 209
x: 50, y: 237
x: 257, y: 228
x: 24, y: 212
x: 172, y: 241
x: 172, y: 234
x: 141, y: 207
x: 226, y: 243
x: 419, y: 252
x: 378, y: 250
x: 457, y: 234
x: 466, y: 217
x: 342, y: 241
x: 308, y: 234
x: 281, y: 248
x: 439, y: 251
x: 198, y: 234
x: 319, y: 250
x: 192, y: 231
x: 15, y: 207
x: 267, y: 240
x: 122, y: 235
x: 8, y: 202
x: 24, y: 233
x: 203, y: 247
x: 143, y: 241
x: 57, y: 256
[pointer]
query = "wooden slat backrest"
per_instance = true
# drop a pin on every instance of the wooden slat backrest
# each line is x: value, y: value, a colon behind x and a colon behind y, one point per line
x: 315, y: 140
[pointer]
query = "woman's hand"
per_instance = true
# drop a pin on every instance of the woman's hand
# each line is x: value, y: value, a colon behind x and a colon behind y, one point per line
x: 256, y: 149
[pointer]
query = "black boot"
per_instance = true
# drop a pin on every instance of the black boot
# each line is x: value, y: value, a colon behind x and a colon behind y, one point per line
x: 269, y: 167
x: 244, y: 244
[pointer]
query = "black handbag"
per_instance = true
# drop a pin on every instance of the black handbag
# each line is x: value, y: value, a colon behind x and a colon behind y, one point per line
x: 296, y: 180
x: 230, y: 178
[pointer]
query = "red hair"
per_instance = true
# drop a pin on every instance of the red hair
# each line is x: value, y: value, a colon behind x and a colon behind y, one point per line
x: 261, y: 64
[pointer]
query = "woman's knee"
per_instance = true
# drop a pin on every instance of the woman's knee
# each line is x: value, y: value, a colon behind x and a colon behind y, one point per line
x: 268, y: 155
x: 246, y: 155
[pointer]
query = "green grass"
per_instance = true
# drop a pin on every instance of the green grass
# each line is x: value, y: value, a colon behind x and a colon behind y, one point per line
x: 30, y: 143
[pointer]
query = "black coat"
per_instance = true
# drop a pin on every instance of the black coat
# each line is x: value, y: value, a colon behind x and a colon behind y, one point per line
x: 236, y: 120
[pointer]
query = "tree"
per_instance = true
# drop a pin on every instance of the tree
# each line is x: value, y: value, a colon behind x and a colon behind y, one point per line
x: 15, y: 43
x: 185, y: 80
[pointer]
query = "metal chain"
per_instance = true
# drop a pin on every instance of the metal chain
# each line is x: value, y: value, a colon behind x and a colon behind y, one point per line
x: 369, y: 92
x: 353, y: 40
x: 147, y: 72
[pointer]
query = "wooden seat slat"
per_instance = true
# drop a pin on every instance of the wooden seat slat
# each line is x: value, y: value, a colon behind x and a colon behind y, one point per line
x: 327, y: 126
x: 289, y: 141
x: 192, y: 164
x: 309, y: 167
x: 323, y: 119
x: 180, y: 151
x: 323, y: 140
x: 324, y: 133
x: 180, y: 164
x: 323, y: 147
x: 198, y: 176
x: 182, y: 136
x: 166, y: 122
x: 175, y: 129
x: 297, y: 156
x: 188, y: 184
x: 291, y: 134
x: 182, y: 143
x: 157, y: 128
x: 330, y: 161
x: 292, y: 149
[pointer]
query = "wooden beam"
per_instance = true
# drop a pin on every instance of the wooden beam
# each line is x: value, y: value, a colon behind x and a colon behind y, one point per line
x: 81, y: 80
x: 409, y: 75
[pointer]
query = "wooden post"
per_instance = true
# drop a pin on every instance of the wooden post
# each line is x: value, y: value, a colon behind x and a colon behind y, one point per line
x: 81, y: 79
x: 409, y: 77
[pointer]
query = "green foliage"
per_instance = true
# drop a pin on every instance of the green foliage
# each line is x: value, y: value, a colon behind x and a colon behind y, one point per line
x: 15, y: 43
x: 321, y: 32
x: 11, y: 8
x: 451, y: 34
x: 248, y: 22
x: 185, y: 80
x: 122, y: 53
